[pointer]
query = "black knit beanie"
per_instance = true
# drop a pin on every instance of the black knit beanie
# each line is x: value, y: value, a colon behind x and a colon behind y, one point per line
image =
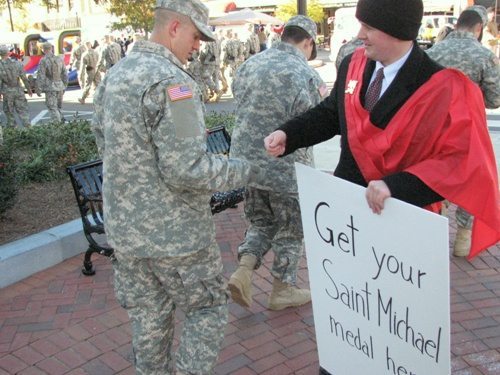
x: 398, y: 18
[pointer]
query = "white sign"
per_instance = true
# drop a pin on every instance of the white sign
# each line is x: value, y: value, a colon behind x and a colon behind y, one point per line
x: 379, y: 283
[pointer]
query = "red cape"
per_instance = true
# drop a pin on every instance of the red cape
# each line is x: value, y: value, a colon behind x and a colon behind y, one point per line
x: 439, y: 135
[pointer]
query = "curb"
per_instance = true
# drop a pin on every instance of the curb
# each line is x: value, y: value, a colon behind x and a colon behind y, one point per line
x: 26, y: 256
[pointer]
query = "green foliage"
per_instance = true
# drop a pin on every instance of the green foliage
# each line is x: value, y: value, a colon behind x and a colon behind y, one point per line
x: 8, y: 187
x: 42, y: 153
x: 288, y: 10
x: 228, y: 119
x: 132, y: 13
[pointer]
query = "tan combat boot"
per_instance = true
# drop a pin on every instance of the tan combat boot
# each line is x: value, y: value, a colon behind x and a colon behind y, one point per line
x: 461, y: 248
x: 240, y: 283
x: 285, y: 295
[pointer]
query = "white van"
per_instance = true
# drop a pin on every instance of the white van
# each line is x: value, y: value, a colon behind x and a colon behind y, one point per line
x: 345, y: 27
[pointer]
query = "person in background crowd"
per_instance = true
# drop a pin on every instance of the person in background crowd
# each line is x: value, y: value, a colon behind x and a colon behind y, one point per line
x: 274, y: 35
x: 76, y: 58
x: 490, y: 32
x: 251, y: 42
x: 347, y: 49
x: 227, y: 57
x: 159, y: 179
x: 462, y: 50
x: 410, y: 129
x: 262, y: 38
x: 209, y: 57
x: 110, y: 54
x: 271, y: 87
x: 11, y: 91
x: 52, y: 79
x: 88, y: 71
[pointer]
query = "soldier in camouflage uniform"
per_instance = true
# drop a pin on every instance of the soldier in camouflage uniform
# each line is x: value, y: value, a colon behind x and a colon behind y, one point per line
x: 109, y: 54
x: 241, y: 54
x: 462, y: 50
x: 270, y: 88
x: 76, y: 58
x: 210, y: 61
x: 195, y: 68
x: 252, y: 44
x: 158, y: 180
x: 224, y: 58
x: 231, y: 53
x: 52, y: 79
x: 88, y: 71
x: 14, y: 99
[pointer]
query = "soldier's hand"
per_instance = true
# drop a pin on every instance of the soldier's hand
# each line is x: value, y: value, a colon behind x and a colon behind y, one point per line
x: 376, y: 194
x: 275, y: 143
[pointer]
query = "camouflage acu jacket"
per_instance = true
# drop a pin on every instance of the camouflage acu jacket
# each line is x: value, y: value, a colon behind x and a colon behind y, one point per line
x: 158, y: 177
x: 462, y: 51
x: 271, y: 88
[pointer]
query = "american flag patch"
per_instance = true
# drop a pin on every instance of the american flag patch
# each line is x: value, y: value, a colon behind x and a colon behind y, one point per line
x: 179, y: 92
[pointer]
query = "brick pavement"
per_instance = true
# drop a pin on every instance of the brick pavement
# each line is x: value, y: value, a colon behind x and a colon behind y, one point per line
x: 61, y: 322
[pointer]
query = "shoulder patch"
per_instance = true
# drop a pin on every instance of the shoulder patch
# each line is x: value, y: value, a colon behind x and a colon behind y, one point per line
x: 179, y: 92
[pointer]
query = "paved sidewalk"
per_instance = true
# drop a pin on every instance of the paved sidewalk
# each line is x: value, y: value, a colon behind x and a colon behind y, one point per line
x: 61, y: 322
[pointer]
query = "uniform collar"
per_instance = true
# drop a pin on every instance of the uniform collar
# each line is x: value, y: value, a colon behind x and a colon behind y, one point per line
x: 146, y: 46
x: 461, y: 35
x: 289, y: 48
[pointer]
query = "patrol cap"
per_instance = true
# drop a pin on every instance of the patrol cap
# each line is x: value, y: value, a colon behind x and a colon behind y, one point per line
x: 4, y: 50
x: 195, y: 10
x: 304, y: 23
x: 483, y: 13
x: 308, y: 25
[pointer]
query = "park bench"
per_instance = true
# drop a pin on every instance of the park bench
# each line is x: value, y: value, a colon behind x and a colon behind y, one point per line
x: 86, y: 179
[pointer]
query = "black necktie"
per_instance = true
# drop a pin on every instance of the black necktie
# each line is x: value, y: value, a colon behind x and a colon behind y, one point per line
x: 373, y: 91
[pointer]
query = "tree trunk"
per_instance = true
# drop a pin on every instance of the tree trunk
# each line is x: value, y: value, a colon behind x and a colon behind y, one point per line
x: 10, y: 16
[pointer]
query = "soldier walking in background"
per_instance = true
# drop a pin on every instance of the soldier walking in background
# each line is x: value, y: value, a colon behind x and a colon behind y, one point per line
x: 109, y: 54
x: 210, y: 60
x: 269, y: 88
x: 252, y: 44
x: 224, y: 58
x: 88, y: 71
x: 462, y: 50
x: 150, y: 132
x: 76, y: 57
x: 14, y: 99
x: 242, y: 53
x: 195, y: 68
x: 52, y: 79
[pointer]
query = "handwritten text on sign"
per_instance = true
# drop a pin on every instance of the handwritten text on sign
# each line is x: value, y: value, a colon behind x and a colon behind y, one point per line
x: 379, y: 283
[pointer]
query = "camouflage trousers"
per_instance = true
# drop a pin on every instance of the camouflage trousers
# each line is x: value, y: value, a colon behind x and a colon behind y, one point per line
x: 464, y: 219
x: 274, y: 223
x: 15, y: 102
x: 150, y: 289
x: 53, y: 101
x: 222, y: 78
x: 92, y: 78
x: 210, y: 77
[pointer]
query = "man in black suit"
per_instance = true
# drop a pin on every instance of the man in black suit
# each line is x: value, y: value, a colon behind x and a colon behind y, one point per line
x: 410, y: 129
x: 418, y: 133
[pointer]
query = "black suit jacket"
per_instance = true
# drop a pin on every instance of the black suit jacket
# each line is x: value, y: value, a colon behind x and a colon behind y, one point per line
x: 328, y: 119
